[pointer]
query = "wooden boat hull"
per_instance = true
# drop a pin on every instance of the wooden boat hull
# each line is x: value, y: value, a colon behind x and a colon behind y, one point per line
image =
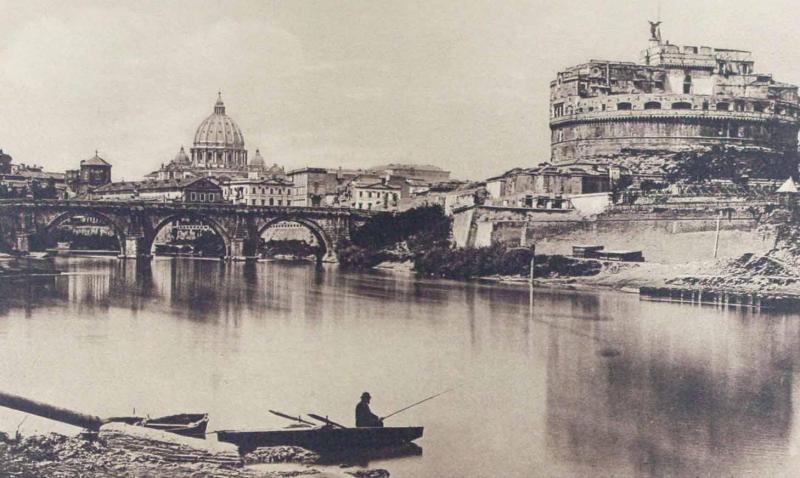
x: 186, y: 424
x: 326, y: 439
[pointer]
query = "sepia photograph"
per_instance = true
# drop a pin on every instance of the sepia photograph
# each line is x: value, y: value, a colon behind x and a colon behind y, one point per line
x: 399, y: 238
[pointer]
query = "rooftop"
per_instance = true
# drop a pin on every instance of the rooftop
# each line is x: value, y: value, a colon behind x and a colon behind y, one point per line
x: 95, y: 160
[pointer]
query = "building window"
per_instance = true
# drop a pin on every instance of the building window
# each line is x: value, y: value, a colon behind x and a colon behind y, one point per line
x: 723, y: 106
x: 193, y: 196
x: 758, y: 107
x: 652, y: 105
x: 681, y: 105
x: 705, y: 106
x: 280, y: 202
x: 687, y: 84
x: 624, y: 106
x: 271, y: 203
x: 263, y: 202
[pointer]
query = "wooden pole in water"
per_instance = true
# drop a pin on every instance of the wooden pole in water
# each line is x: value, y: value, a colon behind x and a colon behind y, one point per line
x: 716, y: 236
x: 52, y: 412
x: 533, y: 263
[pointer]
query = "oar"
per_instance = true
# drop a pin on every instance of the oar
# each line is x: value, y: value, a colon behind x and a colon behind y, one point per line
x: 325, y: 420
x: 417, y: 403
x: 289, y: 417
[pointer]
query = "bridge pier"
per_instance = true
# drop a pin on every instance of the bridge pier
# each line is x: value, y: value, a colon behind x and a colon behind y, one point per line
x: 135, y: 247
x: 23, y: 242
x: 328, y: 257
x: 239, y: 250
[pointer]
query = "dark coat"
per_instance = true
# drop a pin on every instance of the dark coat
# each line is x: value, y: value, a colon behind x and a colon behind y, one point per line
x: 365, y: 417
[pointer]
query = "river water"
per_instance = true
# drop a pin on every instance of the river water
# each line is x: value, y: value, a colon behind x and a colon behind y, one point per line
x: 551, y: 383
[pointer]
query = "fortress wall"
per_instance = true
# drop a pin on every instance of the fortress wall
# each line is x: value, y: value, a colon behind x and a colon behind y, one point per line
x: 587, y: 139
x: 667, y: 237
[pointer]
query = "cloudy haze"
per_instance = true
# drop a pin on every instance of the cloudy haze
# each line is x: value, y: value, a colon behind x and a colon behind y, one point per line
x: 462, y: 84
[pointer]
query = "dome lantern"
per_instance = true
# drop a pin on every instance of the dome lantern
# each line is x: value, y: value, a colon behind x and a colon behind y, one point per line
x: 219, y: 106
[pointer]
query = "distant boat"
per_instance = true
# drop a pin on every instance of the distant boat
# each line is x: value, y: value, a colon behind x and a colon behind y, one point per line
x: 186, y: 424
x: 26, y: 264
x: 325, y: 439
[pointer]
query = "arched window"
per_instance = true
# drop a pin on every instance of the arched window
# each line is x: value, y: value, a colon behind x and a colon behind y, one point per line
x: 652, y: 105
x: 687, y: 84
x: 723, y: 106
x: 624, y: 106
x: 681, y: 105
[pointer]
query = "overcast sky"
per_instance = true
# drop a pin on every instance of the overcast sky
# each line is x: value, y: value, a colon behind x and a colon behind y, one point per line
x: 459, y: 84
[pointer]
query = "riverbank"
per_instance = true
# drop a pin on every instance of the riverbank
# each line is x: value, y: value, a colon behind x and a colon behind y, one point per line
x: 749, y: 274
x: 93, y: 457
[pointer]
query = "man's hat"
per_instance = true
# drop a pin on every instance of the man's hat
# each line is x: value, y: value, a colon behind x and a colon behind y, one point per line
x: 366, y: 395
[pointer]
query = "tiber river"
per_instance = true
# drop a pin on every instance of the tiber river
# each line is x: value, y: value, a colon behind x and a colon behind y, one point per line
x: 553, y: 383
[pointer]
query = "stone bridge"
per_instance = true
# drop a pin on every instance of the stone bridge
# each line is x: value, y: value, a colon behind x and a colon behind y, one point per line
x: 136, y: 223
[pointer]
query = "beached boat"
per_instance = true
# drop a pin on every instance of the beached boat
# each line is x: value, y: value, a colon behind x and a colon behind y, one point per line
x: 326, y: 438
x: 186, y: 424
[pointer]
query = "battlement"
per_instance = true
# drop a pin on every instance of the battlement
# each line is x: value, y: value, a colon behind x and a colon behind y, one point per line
x: 723, y: 61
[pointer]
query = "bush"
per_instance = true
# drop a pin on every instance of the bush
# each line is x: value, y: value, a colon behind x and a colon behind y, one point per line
x: 422, y: 229
x: 474, y: 262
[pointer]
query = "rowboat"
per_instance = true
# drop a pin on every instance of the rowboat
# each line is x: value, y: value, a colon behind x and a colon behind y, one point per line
x: 326, y: 438
x: 186, y: 424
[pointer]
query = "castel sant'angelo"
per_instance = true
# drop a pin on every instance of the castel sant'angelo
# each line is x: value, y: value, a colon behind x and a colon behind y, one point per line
x: 677, y: 98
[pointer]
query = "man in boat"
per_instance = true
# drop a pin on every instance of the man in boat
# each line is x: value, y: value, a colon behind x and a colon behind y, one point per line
x: 364, y: 416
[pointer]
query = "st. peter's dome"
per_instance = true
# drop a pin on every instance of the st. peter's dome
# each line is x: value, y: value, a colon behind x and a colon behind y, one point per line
x: 218, y: 142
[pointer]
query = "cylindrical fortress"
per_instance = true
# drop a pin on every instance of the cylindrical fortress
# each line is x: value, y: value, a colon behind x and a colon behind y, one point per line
x: 688, y: 98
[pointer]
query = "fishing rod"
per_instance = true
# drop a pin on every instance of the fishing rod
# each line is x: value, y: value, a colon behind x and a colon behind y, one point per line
x: 417, y: 403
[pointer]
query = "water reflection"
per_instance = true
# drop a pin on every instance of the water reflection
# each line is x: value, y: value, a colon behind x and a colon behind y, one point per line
x: 556, y: 383
x: 677, y: 399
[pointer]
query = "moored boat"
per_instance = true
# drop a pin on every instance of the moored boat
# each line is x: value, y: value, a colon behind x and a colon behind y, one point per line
x: 326, y: 438
x: 186, y: 424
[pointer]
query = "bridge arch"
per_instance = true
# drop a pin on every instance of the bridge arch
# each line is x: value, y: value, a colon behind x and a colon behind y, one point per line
x: 215, y: 226
x: 325, y: 242
x: 62, y: 217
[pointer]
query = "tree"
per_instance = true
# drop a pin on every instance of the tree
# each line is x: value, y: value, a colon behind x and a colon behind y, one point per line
x: 729, y: 163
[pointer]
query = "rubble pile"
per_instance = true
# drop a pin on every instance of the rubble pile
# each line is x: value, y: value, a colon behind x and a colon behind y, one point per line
x: 56, y: 455
x: 378, y: 473
x: 281, y: 454
x: 160, y: 446
x: 749, y: 272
